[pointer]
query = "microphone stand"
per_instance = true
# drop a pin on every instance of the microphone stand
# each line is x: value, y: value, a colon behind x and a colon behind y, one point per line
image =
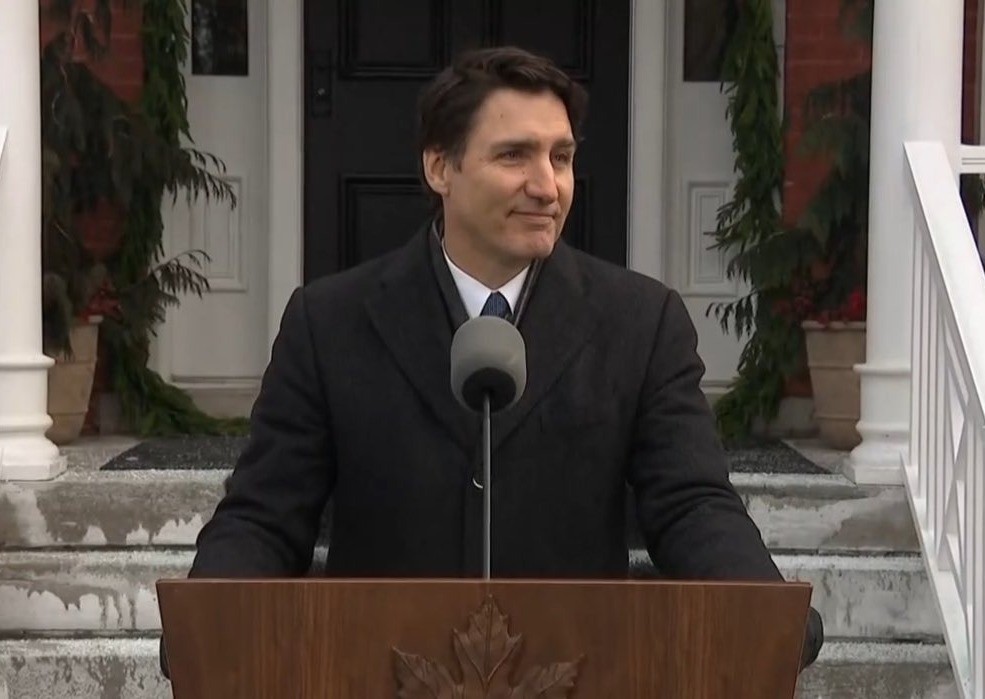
x: 486, y: 489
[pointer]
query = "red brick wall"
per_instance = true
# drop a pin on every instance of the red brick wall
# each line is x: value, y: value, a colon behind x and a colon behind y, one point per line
x: 816, y: 53
x: 123, y: 67
x: 123, y: 70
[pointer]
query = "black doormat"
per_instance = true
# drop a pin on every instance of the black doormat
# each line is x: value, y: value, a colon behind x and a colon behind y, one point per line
x: 180, y: 453
x: 221, y: 453
x: 769, y: 456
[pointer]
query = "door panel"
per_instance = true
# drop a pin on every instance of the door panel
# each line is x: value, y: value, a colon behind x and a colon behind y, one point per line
x: 699, y: 177
x: 227, y: 116
x: 364, y: 75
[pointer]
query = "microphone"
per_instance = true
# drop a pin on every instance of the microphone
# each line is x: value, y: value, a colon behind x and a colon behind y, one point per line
x: 488, y: 374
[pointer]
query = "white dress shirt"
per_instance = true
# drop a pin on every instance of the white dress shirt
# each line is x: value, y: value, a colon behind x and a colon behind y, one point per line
x: 474, y: 293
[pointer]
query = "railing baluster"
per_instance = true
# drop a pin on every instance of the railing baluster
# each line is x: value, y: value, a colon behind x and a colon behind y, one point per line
x: 932, y: 414
x: 945, y: 474
x: 948, y: 395
x: 916, y: 354
x: 936, y: 470
x: 976, y: 536
x: 924, y: 364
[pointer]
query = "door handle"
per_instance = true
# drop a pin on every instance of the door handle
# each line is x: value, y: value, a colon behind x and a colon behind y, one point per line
x: 320, y: 87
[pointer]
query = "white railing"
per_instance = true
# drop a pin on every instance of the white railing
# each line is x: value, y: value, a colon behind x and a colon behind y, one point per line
x: 945, y: 475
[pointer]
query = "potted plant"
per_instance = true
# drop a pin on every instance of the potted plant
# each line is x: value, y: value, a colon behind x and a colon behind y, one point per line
x: 835, y: 341
x: 829, y: 296
x: 74, y: 303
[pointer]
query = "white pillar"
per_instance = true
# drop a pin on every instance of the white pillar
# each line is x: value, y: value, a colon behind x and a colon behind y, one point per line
x: 25, y: 453
x: 916, y: 94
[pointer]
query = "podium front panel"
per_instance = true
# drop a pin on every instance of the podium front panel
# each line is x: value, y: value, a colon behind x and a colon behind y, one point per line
x: 463, y: 639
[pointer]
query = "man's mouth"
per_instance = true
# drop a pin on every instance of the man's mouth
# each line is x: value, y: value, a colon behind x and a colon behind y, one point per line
x: 533, y: 214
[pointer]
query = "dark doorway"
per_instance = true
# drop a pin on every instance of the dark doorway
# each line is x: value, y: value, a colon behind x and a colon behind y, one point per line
x: 366, y: 61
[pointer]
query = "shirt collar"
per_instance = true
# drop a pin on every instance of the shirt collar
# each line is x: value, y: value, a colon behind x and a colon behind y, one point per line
x: 474, y: 293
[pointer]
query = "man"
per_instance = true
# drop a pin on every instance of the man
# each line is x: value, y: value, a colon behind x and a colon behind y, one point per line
x: 356, y: 403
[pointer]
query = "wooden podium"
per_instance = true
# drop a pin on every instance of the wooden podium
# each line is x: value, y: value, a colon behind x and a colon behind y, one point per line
x: 466, y: 639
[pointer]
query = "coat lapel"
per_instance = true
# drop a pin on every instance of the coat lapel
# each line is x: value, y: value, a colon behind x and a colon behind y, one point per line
x: 560, y: 318
x: 409, y: 313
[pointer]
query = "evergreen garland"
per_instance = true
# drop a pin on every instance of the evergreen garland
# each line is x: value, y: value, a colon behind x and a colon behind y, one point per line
x: 815, y: 267
x: 100, y: 151
x: 148, y: 285
x: 763, y: 254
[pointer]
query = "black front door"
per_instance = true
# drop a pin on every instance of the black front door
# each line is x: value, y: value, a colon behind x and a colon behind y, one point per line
x: 367, y: 60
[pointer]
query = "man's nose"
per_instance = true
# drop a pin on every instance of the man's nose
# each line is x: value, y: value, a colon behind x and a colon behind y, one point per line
x: 541, y: 180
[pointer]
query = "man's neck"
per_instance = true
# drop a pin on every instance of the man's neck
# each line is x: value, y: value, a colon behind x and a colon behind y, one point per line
x: 484, y: 269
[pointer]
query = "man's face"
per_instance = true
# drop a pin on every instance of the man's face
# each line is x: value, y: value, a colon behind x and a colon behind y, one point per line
x: 506, y: 202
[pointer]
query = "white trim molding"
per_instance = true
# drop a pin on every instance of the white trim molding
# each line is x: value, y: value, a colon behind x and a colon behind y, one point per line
x: 646, y: 238
x: 972, y: 159
x: 285, y: 105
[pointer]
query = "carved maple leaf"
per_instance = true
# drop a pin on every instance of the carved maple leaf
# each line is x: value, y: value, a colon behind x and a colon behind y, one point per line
x: 420, y: 678
x: 487, y: 656
x: 552, y: 682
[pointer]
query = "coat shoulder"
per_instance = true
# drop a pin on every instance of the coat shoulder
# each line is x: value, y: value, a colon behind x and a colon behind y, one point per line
x: 351, y: 284
x: 617, y: 284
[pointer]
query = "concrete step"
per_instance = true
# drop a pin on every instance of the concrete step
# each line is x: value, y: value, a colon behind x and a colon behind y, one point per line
x: 853, y: 670
x: 168, y: 508
x: 85, y: 590
x: 828, y: 513
x: 92, y: 508
x: 857, y: 596
x: 870, y: 597
x: 114, y: 668
x: 128, y: 667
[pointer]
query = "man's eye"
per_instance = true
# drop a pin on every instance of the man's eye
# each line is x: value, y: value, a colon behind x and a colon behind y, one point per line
x: 511, y: 155
x: 564, y: 158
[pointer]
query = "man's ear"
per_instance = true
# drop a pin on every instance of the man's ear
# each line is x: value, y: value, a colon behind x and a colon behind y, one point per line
x: 436, y: 166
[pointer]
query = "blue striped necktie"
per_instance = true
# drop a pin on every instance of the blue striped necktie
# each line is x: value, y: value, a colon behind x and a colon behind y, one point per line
x: 496, y: 305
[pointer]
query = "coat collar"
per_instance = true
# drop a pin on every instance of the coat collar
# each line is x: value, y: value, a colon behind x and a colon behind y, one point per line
x: 411, y: 315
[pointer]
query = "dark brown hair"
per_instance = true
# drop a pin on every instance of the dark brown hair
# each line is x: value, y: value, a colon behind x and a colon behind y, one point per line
x: 449, y: 103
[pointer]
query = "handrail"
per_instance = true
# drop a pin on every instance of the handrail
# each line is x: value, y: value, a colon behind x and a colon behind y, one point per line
x: 945, y: 468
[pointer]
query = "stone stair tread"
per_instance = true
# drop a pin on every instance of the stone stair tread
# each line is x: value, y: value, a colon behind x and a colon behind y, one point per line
x: 63, y: 668
x: 79, y: 557
x: 56, y: 646
x: 849, y: 650
x: 837, y: 484
x: 858, y: 596
x: 876, y: 596
x: 182, y: 451
x: 156, y: 556
x: 92, y: 508
x: 854, y: 669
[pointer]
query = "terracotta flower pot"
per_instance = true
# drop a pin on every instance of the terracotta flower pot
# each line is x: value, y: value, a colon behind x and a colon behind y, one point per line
x: 832, y: 352
x: 70, y: 383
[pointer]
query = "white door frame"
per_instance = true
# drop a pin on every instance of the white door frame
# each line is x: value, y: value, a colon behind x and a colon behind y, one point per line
x: 646, y: 237
x: 285, y: 104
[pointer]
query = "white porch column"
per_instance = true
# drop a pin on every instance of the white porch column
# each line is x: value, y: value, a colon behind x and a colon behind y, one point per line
x: 25, y: 453
x: 916, y: 94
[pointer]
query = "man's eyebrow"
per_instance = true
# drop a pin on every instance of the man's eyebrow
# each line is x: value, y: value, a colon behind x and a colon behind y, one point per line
x: 515, y: 144
x: 531, y: 144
